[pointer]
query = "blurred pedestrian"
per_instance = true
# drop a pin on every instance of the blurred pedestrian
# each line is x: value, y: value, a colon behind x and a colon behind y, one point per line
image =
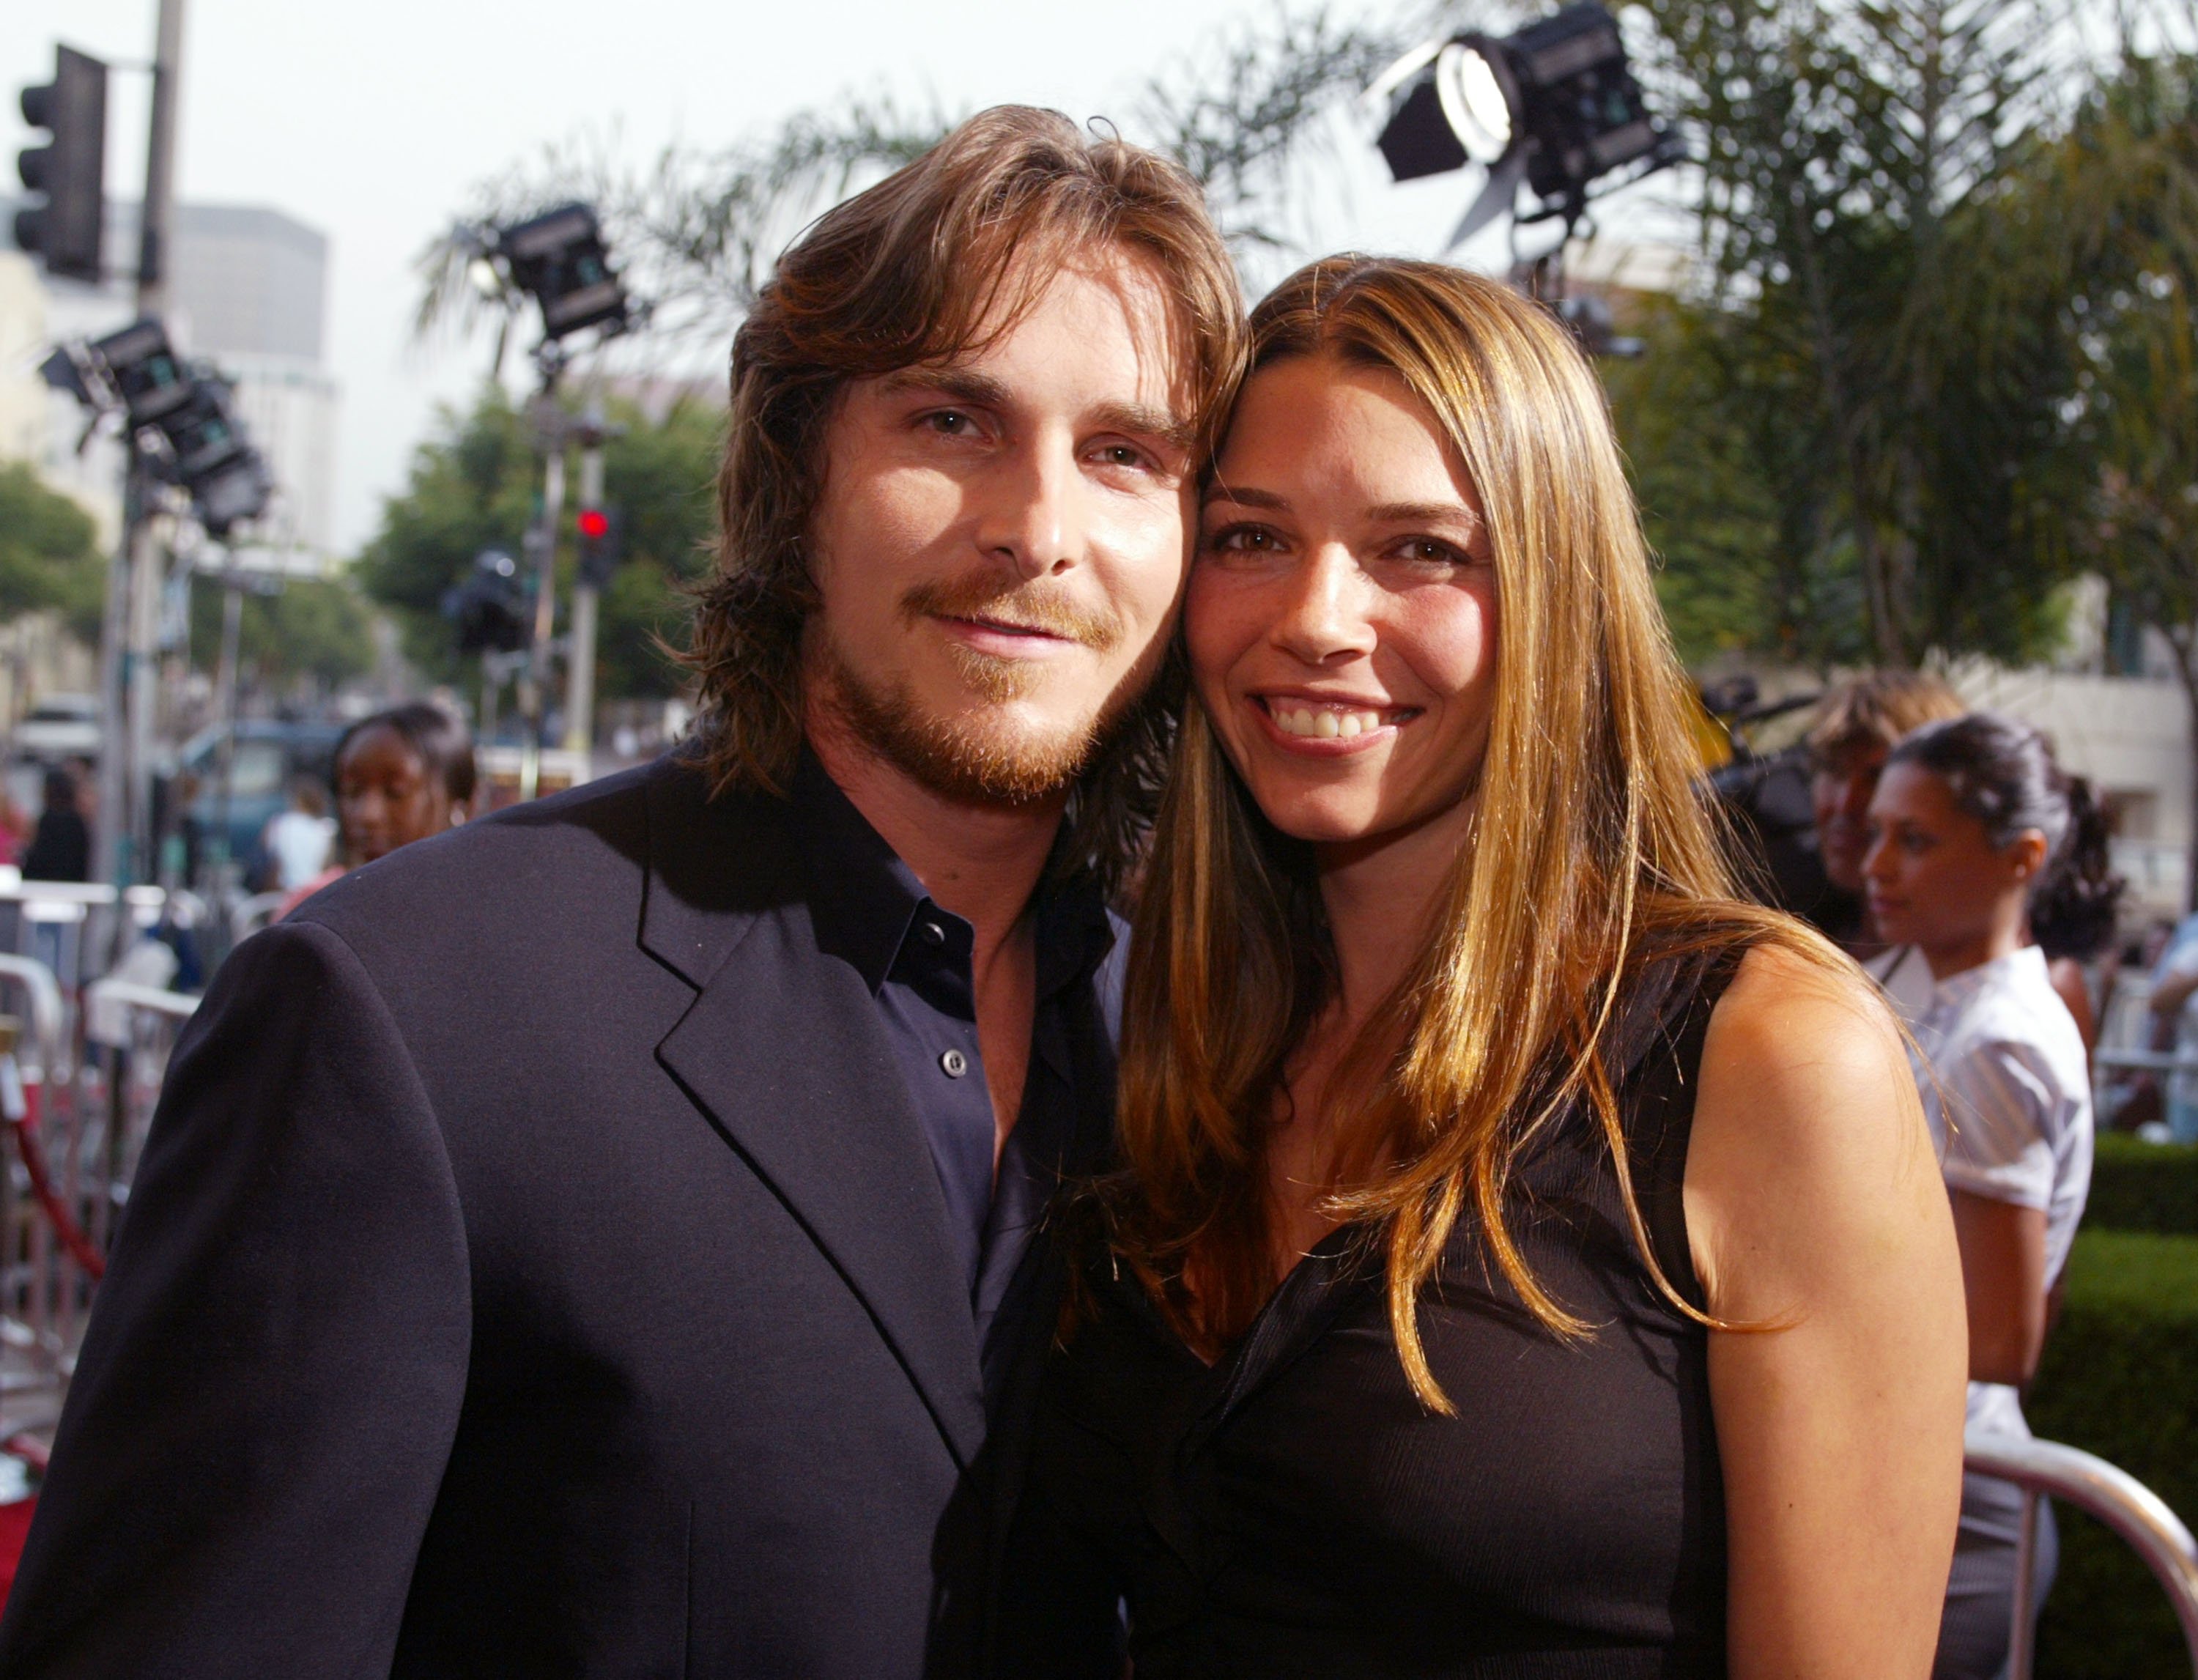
x: 1854, y: 726
x: 2174, y: 1008
x: 1973, y: 824
x: 401, y: 776
x: 299, y: 838
x: 15, y: 828
x: 60, y: 844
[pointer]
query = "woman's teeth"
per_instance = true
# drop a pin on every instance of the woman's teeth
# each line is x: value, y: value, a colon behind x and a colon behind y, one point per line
x: 1323, y: 723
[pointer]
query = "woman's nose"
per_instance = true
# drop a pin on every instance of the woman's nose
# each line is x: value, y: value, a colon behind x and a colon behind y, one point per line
x: 1323, y: 617
x: 1877, y: 860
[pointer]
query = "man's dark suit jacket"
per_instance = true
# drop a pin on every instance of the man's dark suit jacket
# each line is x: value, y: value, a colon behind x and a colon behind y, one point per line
x: 536, y: 1269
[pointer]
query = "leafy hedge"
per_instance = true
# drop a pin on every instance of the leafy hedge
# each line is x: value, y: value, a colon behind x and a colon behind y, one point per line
x: 2143, y: 1187
x: 2121, y: 1379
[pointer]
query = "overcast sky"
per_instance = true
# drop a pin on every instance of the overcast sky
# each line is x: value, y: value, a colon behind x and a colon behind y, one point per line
x: 371, y: 122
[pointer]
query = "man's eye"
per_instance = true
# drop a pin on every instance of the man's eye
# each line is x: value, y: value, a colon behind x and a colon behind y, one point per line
x: 1121, y: 454
x: 951, y: 423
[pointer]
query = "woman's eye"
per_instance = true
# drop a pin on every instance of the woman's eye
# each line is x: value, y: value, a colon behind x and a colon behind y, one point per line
x: 1428, y: 551
x: 1120, y: 455
x: 1242, y: 540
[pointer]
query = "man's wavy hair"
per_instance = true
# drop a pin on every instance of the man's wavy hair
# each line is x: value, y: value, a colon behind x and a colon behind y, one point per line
x: 928, y: 267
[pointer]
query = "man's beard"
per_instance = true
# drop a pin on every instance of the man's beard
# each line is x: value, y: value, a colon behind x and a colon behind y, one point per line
x: 980, y: 758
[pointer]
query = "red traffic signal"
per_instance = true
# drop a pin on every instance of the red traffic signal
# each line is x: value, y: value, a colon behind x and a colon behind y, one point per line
x: 595, y: 524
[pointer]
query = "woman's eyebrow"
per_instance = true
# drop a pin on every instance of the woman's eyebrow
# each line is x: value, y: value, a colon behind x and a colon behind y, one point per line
x: 1421, y: 513
x: 1246, y: 497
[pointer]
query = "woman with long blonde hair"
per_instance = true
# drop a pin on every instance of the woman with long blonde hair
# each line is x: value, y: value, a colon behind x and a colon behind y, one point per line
x: 1526, y: 1258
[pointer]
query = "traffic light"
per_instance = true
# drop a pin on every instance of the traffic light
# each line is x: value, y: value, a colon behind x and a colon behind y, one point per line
x: 602, y: 540
x: 70, y: 172
x: 490, y: 608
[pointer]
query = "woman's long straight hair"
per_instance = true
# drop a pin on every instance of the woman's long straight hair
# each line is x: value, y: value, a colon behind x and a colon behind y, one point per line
x: 1591, y: 851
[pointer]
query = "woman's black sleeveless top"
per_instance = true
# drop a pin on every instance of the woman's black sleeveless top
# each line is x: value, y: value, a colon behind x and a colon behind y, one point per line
x: 1293, y: 1510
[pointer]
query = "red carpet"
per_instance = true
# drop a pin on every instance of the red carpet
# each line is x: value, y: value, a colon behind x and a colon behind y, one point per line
x: 14, y: 1524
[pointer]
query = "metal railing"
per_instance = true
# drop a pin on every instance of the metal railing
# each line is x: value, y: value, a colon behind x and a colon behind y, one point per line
x: 78, y: 1098
x: 2046, y: 1469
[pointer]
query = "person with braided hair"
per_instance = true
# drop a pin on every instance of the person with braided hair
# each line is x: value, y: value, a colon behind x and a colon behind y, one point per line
x: 1977, y: 834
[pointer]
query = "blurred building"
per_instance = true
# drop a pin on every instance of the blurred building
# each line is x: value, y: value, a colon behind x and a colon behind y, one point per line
x: 248, y: 291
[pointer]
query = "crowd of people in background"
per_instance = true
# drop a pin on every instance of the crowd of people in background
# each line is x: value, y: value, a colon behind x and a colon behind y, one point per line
x: 1974, y: 887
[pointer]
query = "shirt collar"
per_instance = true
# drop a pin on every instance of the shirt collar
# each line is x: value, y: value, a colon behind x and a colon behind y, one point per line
x: 1957, y: 990
x: 863, y: 900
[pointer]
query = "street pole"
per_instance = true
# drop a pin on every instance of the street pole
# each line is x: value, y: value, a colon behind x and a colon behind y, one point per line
x: 534, y: 679
x: 156, y: 214
x: 232, y: 650
x: 127, y: 648
x: 580, y: 670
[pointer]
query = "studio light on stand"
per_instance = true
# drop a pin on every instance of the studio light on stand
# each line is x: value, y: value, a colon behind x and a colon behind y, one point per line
x: 558, y: 258
x: 1553, y: 108
x: 179, y: 415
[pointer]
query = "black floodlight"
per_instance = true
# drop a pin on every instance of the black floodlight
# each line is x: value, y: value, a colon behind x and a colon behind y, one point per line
x: 202, y: 434
x: 70, y: 172
x: 237, y: 490
x: 147, y: 376
x: 490, y: 608
x: 558, y: 258
x: 1554, y: 105
x: 64, y: 373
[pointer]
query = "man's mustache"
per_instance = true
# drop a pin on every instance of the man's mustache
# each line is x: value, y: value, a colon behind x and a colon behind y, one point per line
x: 1027, y: 605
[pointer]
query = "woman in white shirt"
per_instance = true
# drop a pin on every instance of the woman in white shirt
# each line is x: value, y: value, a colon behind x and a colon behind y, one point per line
x: 1972, y: 823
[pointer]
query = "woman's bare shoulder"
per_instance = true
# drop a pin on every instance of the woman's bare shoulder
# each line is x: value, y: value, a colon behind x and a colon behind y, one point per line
x: 1807, y: 1130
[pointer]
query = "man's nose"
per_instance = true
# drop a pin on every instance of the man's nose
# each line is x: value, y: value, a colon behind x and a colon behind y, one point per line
x: 1855, y: 792
x: 1033, y: 514
x: 1322, y: 618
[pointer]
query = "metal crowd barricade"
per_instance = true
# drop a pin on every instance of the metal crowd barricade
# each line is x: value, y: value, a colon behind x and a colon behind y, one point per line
x: 44, y: 1291
x: 2116, y: 1498
x: 78, y: 1096
x: 70, y: 926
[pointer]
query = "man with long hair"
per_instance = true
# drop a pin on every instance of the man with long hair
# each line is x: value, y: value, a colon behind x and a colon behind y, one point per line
x: 600, y: 1239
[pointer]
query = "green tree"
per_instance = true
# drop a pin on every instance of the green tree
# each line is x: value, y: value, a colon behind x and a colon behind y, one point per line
x: 1887, y: 379
x: 475, y: 485
x: 313, y: 627
x: 1741, y: 568
x: 2113, y: 214
x: 50, y: 557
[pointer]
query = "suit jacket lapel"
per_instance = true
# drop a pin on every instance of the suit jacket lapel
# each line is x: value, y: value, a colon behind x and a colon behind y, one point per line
x: 782, y: 1051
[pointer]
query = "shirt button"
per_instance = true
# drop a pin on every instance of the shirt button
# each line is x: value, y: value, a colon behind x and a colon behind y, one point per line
x: 931, y: 932
x: 955, y: 1063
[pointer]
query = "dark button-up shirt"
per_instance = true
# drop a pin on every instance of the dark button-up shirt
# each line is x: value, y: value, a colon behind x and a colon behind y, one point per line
x: 870, y: 910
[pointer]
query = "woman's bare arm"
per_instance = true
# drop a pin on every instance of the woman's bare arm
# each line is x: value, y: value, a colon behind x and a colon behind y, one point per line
x: 1814, y: 1204
x: 2004, y: 1275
